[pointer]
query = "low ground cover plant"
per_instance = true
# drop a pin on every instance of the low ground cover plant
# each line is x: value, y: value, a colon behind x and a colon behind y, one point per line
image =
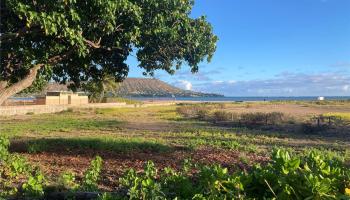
x: 21, y: 180
x: 288, y: 176
x: 313, y: 174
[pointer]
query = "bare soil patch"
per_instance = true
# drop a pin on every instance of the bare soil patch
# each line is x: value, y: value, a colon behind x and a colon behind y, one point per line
x: 115, y: 164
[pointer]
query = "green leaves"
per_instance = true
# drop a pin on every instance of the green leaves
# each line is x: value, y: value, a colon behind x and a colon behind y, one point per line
x: 142, y: 186
x: 284, y: 162
x: 91, y: 176
x: 4, y: 145
x: 93, y: 39
x: 34, y: 186
x: 311, y: 175
x: 286, y: 177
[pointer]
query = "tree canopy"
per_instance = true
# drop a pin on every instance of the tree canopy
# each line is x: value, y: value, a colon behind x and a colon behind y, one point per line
x: 79, y: 40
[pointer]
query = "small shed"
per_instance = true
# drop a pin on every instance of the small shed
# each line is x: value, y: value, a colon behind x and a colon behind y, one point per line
x: 62, y: 98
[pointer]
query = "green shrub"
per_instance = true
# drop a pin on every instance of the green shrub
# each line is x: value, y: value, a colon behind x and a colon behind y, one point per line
x: 144, y: 185
x: 4, y: 145
x: 91, y: 176
x: 67, y: 181
x: 288, y: 176
x: 313, y: 174
x: 34, y: 187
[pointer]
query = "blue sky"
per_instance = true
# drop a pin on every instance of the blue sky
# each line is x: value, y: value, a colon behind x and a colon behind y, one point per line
x: 272, y: 48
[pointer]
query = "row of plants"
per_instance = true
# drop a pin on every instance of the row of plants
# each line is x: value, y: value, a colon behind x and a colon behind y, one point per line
x: 310, y: 175
x: 328, y: 122
x: 287, y: 176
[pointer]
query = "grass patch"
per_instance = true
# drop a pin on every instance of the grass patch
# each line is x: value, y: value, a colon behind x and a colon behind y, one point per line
x: 342, y: 116
x: 56, y: 123
x: 99, y: 144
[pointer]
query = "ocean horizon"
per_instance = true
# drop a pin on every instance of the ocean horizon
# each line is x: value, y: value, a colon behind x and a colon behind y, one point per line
x: 242, y: 98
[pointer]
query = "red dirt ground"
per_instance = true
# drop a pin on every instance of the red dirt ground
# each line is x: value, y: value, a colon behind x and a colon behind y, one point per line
x: 115, y: 164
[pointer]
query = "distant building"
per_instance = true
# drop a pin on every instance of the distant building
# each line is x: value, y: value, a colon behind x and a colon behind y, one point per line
x: 62, y: 98
x: 320, y: 98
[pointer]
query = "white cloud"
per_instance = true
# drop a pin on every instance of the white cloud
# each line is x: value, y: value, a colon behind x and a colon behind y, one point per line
x: 284, y: 84
x: 183, y: 84
x: 341, y: 64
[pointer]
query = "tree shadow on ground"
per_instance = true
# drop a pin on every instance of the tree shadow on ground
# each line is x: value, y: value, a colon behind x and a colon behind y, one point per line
x: 65, y: 145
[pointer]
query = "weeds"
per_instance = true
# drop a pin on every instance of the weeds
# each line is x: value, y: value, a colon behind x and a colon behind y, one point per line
x: 287, y: 176
x: 20, y: 180
x: 92, y: 175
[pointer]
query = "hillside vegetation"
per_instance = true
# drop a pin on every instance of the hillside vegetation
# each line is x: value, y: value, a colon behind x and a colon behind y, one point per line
x: 144, y: 87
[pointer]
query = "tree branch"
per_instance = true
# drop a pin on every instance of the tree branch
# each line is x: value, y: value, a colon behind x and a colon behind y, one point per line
x: 27, y: 81
x: 10, y: 36
x: 98, y: 46
x: 3, y: 85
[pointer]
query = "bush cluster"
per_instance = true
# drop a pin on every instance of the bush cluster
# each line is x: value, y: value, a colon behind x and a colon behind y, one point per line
x: 194, y: 111
x: 204, y: 113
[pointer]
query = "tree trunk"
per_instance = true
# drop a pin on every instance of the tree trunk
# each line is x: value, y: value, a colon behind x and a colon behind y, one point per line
x: 6, y: 92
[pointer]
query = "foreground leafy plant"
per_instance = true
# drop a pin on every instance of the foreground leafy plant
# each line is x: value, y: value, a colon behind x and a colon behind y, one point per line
x: 34, y: 187
x: 13, y: 168
x: 314, y: 174
x: 287, y: 176
x: 92, y: 174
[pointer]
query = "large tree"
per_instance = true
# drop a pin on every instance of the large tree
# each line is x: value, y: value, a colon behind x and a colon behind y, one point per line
x: 79, y: 40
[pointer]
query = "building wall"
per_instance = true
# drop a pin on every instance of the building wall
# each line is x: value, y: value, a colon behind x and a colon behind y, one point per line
x: 52, y: 100
x: 84, y: 99
x: 63, y: 99
x: 39, y: 109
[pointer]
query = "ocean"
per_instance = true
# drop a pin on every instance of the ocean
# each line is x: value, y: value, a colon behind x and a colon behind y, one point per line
x: 239, y: 99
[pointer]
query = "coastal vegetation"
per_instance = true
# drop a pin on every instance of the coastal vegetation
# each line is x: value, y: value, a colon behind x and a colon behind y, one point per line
x: 218, y: 150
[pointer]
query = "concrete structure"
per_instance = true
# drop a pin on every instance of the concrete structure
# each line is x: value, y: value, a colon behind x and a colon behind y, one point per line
x: 62, y: 98
x: 40, y: 109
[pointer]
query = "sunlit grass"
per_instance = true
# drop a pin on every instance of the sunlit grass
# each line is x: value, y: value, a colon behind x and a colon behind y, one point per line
x: 56, y: 123
x: 343, y: 116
